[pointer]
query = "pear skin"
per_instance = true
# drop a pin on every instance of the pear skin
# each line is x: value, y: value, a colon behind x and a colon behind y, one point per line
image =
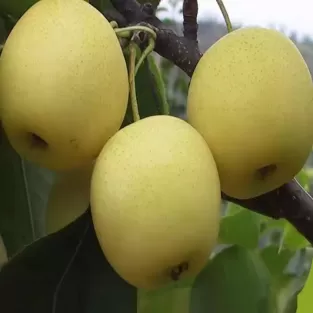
x: 251, y: 98
x: 155, y: 201
x: 64, y: 84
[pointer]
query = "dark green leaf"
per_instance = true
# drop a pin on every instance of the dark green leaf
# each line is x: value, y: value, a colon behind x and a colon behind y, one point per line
x: 172, y: 299
x: 235, y: 280
x: 16, y: 8
x: 65, y: 272
x: 24, y: 194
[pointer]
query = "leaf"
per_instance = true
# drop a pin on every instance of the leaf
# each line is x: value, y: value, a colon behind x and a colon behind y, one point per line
x: 305, y: 301
x: 240, y: 227
x: 235, y: 280
x: 304, y: 179
x: 284, y: 286
x: 16, y: 8
x: 271, y: 224
x: 287, y: 293
x: 65, y: 272
x: 150, y: 91
x: 173, y: 299
x: 276, y: 260
x: 233, y: 208
x: 24, y: 190
x: 292, y: 239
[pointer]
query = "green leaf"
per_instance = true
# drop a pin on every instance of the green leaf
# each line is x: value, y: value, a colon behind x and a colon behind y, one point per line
x: 271, y: 224
x: 292, y: 239
x: 305, y: 300
x: 276, y: 260
x: 233, y: 208
x: 284, y: 286
x: 286, y: 295
x: 65, y: 271
x: 169, y: 299
x: 304, y: 179
x: 236, y: 280
x: 24, y: 190
x: 240, y: 227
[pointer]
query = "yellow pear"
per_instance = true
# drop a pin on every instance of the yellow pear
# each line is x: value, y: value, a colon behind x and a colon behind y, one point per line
x: 64, y: 84
x: 155, y: 201
x: 68, y: 198
x: 250, y: 97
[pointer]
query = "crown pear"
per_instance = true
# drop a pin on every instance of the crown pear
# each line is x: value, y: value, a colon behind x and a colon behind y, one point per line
x: 64, y: 84
x: 155, y: 201
x: 250, y: 97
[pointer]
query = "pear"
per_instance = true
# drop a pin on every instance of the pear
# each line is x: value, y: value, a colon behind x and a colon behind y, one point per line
x: 155, y: 202
x: 64, y: 84
x: 68, y: 198
x: 250, y: 97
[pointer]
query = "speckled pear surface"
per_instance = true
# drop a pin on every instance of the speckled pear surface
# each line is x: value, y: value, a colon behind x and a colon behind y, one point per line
x: 64, y: 84
x: 251, y: 98
x: 155, y: 201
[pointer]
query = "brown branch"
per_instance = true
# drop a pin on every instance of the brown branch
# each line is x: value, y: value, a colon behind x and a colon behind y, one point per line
x: 290, y: 201
x: 190, y: 14
x: 182, y: 51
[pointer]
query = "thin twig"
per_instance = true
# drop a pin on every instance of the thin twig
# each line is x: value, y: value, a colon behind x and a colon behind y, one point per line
x: 132, y: 82
x: 225, y: 15
x: 190, y: 13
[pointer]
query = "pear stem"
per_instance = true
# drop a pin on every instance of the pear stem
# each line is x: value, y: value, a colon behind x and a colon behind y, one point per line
x: 145, y: 53
x: 132, y: 83
x: 114, y: 24
x: 225, y: 15
x: 126, y: 31
x: 155, y: 71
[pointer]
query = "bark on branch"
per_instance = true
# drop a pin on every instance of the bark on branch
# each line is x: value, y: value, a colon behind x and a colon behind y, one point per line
x: 190, y: 13
x: 290, y: 201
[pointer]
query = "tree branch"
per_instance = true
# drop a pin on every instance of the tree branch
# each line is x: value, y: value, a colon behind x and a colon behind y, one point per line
x: 182, y: 51
x: 190, y: 13
x: 290, y: 201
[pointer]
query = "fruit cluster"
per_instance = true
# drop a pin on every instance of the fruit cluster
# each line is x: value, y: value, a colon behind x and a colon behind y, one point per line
x: 156, y: 184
